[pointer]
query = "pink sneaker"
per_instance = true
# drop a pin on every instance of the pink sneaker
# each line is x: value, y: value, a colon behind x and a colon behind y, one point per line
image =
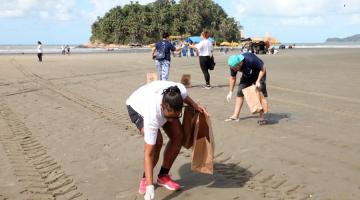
x: 142, y: 186
x: 168, y: 183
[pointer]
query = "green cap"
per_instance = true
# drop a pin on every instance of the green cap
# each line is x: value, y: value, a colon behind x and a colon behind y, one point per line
x: 234, y: 60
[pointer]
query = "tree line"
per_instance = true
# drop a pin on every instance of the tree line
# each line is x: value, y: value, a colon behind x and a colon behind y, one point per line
x: 144, y: 24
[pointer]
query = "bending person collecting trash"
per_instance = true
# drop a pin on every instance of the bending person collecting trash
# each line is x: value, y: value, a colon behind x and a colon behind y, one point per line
x: 253, y: 72
x: 152, y: 106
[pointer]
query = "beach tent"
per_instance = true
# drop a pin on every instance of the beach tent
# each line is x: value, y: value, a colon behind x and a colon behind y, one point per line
x: 197, y: 39
x: 225, y: 44
x: 229, y: 44
x: 272, y: 40
x: 178, y: 37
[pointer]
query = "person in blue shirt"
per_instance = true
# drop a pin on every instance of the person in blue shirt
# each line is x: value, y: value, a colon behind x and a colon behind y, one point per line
x: 162, y: 56
x: 253, y: 72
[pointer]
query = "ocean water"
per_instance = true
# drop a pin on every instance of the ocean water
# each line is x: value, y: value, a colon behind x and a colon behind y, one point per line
x: 54, y: 49
x: 325, y: 45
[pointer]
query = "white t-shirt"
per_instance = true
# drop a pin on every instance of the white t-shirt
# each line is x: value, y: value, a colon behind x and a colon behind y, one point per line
x: 147, y: 102
x: 39, y: 48
x: 205, y: 47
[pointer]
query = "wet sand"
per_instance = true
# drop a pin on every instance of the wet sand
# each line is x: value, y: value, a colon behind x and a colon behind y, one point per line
x: 64, y: 129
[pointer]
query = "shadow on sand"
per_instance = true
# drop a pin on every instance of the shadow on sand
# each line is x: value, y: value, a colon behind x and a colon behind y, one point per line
x: 271, y: 118
x: 225, y: 176
x: 275, y: 118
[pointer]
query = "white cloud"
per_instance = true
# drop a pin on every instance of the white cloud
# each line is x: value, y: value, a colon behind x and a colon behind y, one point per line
x: 64, y: 9
x: 16, y: 8
x: 102, y: 6
x: 54, y: 9
x: 354, y: 19
x: 44, y: 14
x: 307, y: 21
x: 289, y: 8
x: 298, y: 12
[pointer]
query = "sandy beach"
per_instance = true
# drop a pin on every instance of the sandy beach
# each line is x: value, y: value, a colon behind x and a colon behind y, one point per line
x: 65, y: 132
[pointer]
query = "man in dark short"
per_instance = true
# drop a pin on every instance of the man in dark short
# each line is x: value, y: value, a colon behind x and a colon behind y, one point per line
x: 253, y: 72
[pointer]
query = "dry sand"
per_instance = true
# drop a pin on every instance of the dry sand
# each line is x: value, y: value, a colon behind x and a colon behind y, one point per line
x: 64, y: 129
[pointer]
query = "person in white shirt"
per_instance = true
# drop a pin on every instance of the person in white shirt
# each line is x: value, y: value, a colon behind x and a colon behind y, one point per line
x: 205, y: 50
x: 39, y: 51
x: 151, y: 107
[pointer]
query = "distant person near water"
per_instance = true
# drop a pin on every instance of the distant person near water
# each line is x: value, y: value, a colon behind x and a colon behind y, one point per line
x: 206, y: 59
x: 62, y: 49
x: 253, y: 72
x: 161, y: 55
x: 162, y: 109
x: 39, y: 51
x: 67, y: 48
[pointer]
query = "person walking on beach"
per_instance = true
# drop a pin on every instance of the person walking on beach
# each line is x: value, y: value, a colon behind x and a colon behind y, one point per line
x: 39, y: 51
x: 253, y: 72
x: 161, y: 54
x: 67, y: 47
x: 205, y: 50
x: 161, y: 109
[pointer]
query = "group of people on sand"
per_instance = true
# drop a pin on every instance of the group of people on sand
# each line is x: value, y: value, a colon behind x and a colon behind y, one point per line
x: 39, y: 49
x: 65, y: 49
x: 162, y: 107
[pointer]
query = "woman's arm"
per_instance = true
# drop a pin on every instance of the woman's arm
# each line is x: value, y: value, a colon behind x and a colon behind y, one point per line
x: 196, y: 106
x: 148, y: 162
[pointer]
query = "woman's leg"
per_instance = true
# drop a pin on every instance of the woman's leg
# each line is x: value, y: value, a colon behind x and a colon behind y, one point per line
x: 203, y: 65
x: 165, y: 69
x: 159, y: 68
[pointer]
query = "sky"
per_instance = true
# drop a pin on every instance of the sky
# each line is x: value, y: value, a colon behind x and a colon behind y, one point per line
x: 290, y: 21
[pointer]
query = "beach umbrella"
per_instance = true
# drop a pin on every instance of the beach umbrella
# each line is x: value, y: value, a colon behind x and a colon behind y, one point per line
x: 197, y: 39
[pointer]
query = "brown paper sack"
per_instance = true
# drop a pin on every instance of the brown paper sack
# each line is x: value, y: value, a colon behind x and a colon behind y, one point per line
x: 252, y: 97
x: 186, y: 80
x: 190, y: 118
x: 203, y: 147
x: 151, y: 76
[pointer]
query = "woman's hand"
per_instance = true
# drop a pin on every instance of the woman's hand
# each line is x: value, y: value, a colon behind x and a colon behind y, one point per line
x: 197, y: 106
x: 200, y: 108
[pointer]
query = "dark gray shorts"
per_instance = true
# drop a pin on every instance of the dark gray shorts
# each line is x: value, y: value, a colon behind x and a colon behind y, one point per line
x: 135, y: 118
x: 243, y: 85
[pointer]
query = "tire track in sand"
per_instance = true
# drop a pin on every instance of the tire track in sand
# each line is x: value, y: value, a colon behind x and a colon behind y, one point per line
x: 265, y: 184
x: 40, y: 176
x: 119, y: 119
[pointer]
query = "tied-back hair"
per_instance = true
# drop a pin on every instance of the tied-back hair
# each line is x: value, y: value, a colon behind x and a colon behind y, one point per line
x: 206, y: 34
x: 172, y: 98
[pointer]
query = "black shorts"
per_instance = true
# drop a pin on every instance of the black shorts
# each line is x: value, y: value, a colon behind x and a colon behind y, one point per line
x: 244, y: 84
x: 135, y: 118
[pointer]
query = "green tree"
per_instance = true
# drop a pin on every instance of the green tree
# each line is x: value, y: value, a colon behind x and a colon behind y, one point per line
x: 145, y: 23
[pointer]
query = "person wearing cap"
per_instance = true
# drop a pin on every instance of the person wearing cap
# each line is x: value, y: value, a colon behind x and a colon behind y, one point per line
x: 253, y: 72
